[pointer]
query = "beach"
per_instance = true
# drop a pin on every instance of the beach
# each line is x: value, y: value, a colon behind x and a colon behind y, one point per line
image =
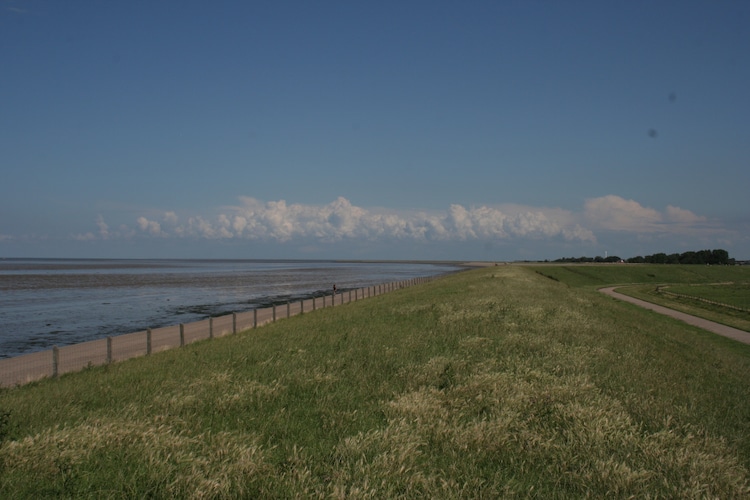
x: 59, y: 302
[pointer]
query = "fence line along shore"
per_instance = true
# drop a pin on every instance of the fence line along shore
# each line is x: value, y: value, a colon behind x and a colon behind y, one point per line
x: 54, y: 362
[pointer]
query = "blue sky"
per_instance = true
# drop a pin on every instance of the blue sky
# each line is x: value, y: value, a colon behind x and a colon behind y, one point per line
x: 397, y: 130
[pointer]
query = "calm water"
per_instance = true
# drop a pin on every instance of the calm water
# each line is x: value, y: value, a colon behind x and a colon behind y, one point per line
x: 44, y: 303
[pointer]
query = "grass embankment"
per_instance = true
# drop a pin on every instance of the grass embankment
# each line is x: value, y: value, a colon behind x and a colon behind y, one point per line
x: 732, y: 294
x: 724, y: 284
x: 489, y: 383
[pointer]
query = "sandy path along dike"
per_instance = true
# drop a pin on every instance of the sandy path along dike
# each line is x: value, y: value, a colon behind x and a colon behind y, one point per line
x: 711, y: 326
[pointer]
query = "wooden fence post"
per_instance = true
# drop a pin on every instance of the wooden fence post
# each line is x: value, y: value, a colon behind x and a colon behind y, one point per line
x: 255, y: 318
x: 211, y: 327
x: 274, y: 313
x: 148, y: 341
x: 109, y: 350
x: 182, y: 335
x: 234, y: 322
x: 288, y: 311
x: 55, y: 361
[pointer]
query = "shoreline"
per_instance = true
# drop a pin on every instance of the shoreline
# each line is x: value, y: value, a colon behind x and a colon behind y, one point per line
x: 75, y: 356
x: 64, y: 302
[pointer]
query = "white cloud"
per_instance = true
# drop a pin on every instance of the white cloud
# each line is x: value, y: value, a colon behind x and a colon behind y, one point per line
x: 460, y: 223
x: 612, y: 213
x: 674, y: 226
x: 170, y: 218
x: 677, y: 214
x: 197, y: 226
x: 618, y: 214
x: 490, y: 222
x: 239, y: 224
x: 578, y: 233
x: 103, y: 227
x: 103, y: 232
x: 149, y: 226
x: 340, y: 220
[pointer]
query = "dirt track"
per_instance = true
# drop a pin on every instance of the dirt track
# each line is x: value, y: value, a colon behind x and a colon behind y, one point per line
x: 711, y: 326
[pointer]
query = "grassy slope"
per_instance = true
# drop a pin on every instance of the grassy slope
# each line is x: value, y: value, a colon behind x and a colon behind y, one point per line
x: 733, y: 294
x: 613, y: 274
x: 717, y: 313
x: 651, y: 276
x: 493, y: 382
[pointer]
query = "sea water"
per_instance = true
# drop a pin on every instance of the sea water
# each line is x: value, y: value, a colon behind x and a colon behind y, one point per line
x: 57, y: 302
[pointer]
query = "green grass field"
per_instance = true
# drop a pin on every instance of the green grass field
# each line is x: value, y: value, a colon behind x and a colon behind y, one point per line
x: 511, y: 381
x: 725, y: 284
x: 733, y: 294
x: 582, y: 275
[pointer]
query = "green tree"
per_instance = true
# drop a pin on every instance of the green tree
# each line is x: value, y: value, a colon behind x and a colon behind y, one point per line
x: 719, y: 257
x: 657, y: 258
x: 704, y: 256
x: 689, y: 258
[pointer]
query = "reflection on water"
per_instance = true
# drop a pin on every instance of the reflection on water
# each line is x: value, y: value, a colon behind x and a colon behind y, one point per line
x: 60, y: 302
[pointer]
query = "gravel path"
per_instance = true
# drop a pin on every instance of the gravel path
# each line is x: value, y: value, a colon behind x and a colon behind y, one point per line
x: 711, y: 326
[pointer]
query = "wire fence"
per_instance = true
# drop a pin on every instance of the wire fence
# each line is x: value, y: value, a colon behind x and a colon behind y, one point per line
x: 54, y: 362
x: 661, y: 289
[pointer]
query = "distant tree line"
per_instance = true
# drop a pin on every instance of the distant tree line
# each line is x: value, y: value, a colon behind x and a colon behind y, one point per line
x: 718, y: 257
x: 611, y: 258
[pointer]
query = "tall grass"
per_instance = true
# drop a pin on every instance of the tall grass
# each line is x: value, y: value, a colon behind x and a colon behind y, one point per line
x: 489, y: 383
x: 732, y: 294
x: 620, y: 274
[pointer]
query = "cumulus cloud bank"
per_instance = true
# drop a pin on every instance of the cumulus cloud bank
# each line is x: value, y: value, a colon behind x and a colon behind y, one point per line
x: 618, y: 214
x: 149, y: 226
x: 340, y: 220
